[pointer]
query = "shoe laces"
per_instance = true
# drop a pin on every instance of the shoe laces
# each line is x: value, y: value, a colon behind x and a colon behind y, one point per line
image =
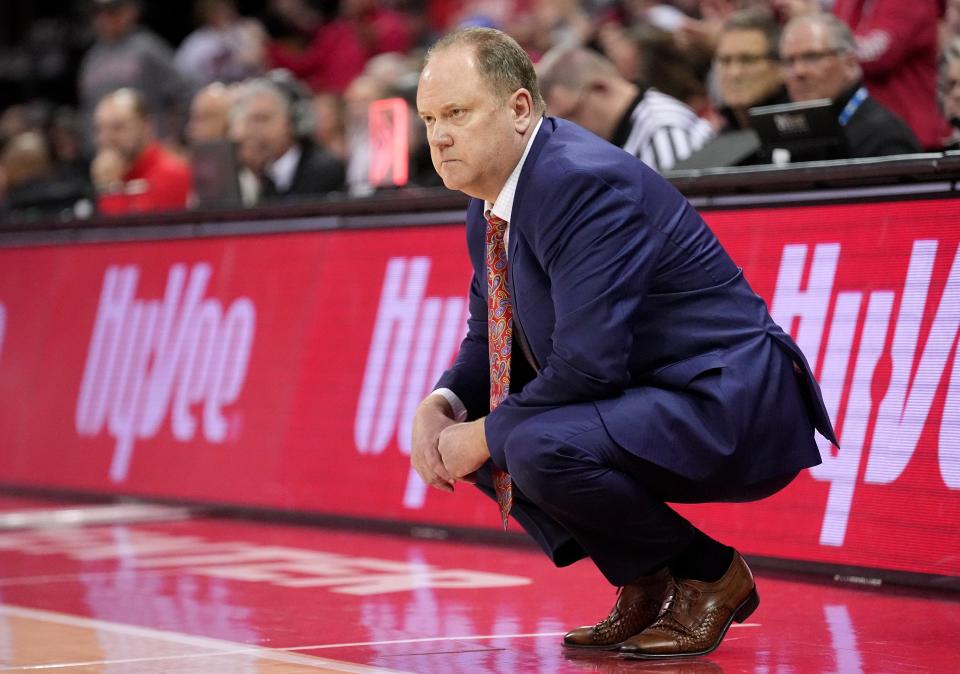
x: 607, y: 623
x: 677, y: 603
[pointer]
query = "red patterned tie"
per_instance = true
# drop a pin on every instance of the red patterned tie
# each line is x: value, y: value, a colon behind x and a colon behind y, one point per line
x: 499, y: 329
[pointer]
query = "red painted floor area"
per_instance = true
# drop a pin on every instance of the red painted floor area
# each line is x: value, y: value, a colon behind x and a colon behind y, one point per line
x: 393, y: 604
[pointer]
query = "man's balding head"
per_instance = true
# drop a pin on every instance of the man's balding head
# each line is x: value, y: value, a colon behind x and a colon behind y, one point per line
x: 819, y: 56
x: 479, y: 99
x: 583, y: 86
x: 122, y: 123
x: 209, y: 114
x: 501, y: 62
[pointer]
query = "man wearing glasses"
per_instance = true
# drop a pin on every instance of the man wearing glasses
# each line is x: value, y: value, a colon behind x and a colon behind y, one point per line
x: 819, y: 60
x: 747, y: 66
x: 748, y: 74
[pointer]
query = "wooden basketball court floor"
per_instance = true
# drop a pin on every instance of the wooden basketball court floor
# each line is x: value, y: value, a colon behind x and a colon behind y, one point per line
x: 145, y: 589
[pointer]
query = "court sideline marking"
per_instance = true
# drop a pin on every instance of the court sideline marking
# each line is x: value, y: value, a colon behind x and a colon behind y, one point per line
x: 218, y: 647
x: 530, y: 635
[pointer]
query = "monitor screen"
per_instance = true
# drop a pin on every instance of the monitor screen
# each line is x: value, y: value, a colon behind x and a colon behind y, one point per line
x: 215, y: 175
x: 807, y: 129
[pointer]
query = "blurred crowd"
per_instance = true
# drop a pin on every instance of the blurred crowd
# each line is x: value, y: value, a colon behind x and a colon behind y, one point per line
x: 276, y: 102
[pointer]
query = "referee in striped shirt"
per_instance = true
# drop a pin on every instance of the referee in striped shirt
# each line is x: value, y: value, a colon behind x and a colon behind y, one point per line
x: 584, y: 87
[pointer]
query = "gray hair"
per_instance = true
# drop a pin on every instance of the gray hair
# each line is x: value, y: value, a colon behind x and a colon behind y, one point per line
x: 501, y: 61
x: 841, y: 37
x: 254, y: 88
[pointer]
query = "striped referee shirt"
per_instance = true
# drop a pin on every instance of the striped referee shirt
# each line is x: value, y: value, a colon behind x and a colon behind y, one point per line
x: 661, y: 130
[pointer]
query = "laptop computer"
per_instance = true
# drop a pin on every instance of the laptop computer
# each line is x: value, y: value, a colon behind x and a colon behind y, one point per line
x: 808, y: 130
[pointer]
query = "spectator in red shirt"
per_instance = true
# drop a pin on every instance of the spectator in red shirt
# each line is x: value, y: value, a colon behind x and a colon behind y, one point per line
x: 897, y: 45
x: 340, y: 48
x: 132, y: 172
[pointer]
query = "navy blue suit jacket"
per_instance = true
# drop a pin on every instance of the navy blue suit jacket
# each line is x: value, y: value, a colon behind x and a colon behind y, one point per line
x: 628, y: 301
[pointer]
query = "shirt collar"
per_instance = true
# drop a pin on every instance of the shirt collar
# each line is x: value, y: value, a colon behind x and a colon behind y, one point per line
x: 621, y: 134
x: 503, y: 206
x: 283, y: 170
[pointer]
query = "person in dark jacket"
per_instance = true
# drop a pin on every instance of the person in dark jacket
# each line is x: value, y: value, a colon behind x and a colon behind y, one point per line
x: 747, y: 66
x: 897, y: 46
x: 748, y: 74
x: 129, y: 55
x: 818, y: 54
x: 36, y: 189
x: 277, y: 139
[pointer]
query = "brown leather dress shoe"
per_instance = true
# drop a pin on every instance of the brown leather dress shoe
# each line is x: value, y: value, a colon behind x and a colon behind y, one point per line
x: 696, y: 615
x: 638, y: 605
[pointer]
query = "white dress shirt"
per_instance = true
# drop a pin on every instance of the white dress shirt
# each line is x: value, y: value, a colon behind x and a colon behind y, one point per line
x: 282, y: 171
x: 503, y: 209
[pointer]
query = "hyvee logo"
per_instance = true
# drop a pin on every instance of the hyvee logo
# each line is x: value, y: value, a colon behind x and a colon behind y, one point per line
x: 899, y: 412
x: 414, y: 340
x: 148, y: 357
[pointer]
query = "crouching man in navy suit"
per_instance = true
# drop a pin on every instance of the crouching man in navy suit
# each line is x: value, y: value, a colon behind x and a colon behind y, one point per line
x: 616, y: 358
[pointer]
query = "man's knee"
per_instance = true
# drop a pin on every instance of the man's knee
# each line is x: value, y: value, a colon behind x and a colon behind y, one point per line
x: 542, y: 457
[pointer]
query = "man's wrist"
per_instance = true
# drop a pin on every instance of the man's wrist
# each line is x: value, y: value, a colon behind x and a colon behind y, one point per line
x: 440, y: 403
x: 456, y: 410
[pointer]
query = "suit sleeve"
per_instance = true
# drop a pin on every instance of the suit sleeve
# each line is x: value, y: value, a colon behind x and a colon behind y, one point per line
x: 599, y: 254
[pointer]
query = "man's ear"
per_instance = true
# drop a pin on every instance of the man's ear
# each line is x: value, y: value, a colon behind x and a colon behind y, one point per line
x: 599, y: 86
x: 521, y: 104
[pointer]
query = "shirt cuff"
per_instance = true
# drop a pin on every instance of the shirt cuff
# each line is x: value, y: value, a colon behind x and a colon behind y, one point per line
x: 459, y: 410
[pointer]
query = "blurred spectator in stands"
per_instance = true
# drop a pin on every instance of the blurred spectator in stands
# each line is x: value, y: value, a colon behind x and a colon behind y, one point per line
x: 898, y: 45
x: 950, y: 92
x: 584, y: 87
x: 126, y: 54
x: 44, y: 63
x: 363, y: 91
x: 35, y: 189
x: 251, y: 164
x: 340, y: 48
x: 747, y: 70
x: 619, y: 47
x: 677, y: 72
x: 789, y: 9
x: 549, y: 23
x: 747, y: 66
x: 209, y: 114
x: 950, y: 26
x: 225, y: 48
x: 277, y: 142
x: 702, y: 32
x: 132, y: 172
x: 379, y: 79
x: 648, y: 55
x: 65, y: 135
x: 819, y: 57
x: 330, y: 129
x: 14, y: 120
